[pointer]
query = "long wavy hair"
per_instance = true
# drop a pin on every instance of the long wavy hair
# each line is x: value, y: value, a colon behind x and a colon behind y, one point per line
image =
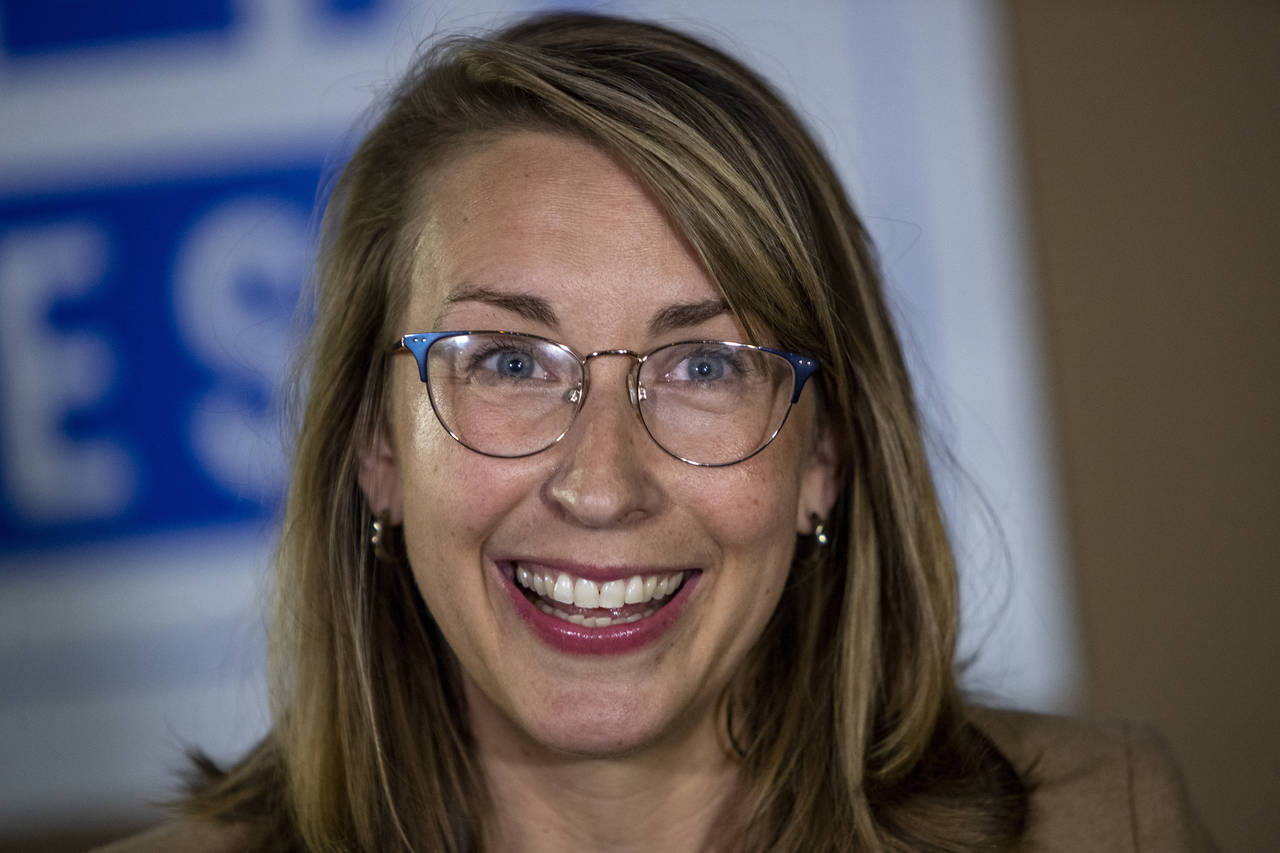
x: 845, y: 717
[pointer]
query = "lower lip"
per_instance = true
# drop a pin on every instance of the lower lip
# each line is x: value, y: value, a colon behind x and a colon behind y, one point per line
x: 610, y: 640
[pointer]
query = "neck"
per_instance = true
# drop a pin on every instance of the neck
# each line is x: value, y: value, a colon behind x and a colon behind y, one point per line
x: 667, y: 796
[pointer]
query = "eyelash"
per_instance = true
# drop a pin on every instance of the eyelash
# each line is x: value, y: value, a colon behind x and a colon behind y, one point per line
x: 478, y: 359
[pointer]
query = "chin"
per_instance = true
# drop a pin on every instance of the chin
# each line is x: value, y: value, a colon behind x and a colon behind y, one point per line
x: 607, y: 732
x: 586, y: 721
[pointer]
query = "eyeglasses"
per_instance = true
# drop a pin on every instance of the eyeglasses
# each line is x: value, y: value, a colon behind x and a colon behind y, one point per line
x: 508, y: 394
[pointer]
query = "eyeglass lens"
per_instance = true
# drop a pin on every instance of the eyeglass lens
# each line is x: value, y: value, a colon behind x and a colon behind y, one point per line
x: 509, y: 395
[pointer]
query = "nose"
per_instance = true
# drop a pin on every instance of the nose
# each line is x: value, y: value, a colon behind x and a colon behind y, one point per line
x: 603, y: 476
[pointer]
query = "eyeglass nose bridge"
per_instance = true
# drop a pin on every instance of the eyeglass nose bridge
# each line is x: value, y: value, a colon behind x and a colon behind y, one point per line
x: 634, y: 391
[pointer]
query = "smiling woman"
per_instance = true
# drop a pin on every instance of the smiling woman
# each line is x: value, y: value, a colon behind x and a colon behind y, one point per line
x: 560, y: 482
x: 639, y: 549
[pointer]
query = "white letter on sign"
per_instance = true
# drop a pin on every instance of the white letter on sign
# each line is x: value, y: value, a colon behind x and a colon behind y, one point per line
x: 45, y: 374
x: 235, y: 284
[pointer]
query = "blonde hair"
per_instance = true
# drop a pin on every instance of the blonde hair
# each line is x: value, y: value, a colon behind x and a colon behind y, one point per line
x: 846, y: 716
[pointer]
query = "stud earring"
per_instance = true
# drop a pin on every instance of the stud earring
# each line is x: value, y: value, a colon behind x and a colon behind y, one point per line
x: 819, y: 529
x: 380, y: 539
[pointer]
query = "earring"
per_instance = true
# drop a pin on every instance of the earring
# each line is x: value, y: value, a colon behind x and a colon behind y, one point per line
x: 380, y: 539
x: 819, y: 529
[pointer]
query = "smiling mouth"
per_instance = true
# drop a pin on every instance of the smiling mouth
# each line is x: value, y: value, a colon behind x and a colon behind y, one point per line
x: 596, y: 605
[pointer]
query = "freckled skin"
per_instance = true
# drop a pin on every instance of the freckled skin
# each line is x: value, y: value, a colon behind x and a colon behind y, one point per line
x: 556, y: 218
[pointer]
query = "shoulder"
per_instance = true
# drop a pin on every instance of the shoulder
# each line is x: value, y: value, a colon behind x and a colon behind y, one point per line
x: 181, y: 836
x: 1096, y: 786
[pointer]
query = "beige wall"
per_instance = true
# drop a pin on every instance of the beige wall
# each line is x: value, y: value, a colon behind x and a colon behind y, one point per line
x: 1151, y: 132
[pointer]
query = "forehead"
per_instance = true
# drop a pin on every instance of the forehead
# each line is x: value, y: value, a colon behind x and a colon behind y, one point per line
x: 555, y: 217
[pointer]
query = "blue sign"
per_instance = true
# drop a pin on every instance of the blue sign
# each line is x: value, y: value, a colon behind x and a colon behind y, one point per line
x: 143, y: 333
x: 42, y: 26
x: 35, y: 27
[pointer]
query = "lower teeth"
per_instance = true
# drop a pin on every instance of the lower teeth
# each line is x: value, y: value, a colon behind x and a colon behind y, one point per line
x: 593, y: 621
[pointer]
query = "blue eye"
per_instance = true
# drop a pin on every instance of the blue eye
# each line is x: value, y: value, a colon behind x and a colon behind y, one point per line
x: 507, y: 364
x: 704, y: 367
x: 512, y: 364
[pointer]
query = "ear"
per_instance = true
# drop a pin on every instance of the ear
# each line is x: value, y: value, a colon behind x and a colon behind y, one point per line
x: 379, y: 478
x: 819, y: 483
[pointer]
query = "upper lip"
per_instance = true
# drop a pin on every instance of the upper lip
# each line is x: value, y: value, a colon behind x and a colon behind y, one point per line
x: 594, y: 571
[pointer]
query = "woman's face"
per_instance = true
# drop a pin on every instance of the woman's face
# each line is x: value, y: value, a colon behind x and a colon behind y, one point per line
x: 547, y: 235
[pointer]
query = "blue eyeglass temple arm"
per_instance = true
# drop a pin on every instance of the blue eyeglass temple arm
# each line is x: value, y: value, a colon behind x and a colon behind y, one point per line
x: 803, y: 366
x: 418, y: 345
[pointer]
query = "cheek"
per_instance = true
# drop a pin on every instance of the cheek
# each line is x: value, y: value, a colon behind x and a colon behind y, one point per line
x: 755, y: 500
x: 755, y: 518
x: 423, y: 440
x: 451, y: 494
x: 752, y: 518
x: 744, y: 518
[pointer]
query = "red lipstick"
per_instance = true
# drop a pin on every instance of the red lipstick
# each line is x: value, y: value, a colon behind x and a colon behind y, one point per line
x: 617, y: 638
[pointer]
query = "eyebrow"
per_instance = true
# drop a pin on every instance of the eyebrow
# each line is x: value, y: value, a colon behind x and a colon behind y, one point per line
x: 685, y: 315
x: 539, y: 310
x: 530, y: 307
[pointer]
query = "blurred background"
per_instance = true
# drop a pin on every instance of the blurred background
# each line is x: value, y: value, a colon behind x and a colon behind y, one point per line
x: 1075, y: 210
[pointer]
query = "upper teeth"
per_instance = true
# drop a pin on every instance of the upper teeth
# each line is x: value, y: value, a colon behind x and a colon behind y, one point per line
x: 580, y: 592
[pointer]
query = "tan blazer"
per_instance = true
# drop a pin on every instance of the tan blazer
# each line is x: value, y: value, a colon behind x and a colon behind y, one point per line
x: 1095, y: 788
